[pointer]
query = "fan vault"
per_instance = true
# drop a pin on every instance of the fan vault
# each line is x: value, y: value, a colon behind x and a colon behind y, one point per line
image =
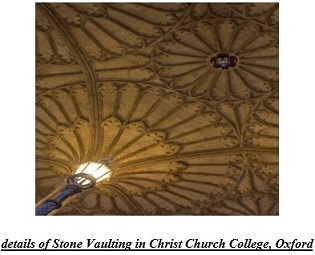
x: 180, y: 100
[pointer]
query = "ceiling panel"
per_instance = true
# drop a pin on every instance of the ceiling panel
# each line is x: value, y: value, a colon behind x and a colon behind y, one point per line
x: 180, y: 100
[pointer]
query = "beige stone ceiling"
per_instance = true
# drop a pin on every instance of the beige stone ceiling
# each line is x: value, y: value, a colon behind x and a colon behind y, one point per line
x: 132, y: 84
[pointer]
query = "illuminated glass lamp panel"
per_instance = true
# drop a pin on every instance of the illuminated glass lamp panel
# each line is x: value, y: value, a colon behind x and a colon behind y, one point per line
x: 96, y: 170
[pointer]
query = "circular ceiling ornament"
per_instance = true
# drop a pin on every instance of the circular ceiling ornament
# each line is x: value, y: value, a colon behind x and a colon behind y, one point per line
x: 223, y: 61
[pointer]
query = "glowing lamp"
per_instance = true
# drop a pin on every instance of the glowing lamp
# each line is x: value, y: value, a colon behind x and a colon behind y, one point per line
x: 85, y: 177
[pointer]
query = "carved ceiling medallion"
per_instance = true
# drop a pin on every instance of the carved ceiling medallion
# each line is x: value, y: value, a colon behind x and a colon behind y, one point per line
x: 223, y: 61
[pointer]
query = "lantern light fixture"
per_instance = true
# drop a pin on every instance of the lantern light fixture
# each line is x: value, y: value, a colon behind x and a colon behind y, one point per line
x: 85, y: 178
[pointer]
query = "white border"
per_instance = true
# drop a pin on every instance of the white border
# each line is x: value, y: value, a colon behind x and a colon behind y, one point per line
x: 297, y: 84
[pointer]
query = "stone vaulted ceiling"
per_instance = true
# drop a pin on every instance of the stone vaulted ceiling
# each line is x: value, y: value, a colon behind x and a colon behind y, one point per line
x: 141, y: 86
